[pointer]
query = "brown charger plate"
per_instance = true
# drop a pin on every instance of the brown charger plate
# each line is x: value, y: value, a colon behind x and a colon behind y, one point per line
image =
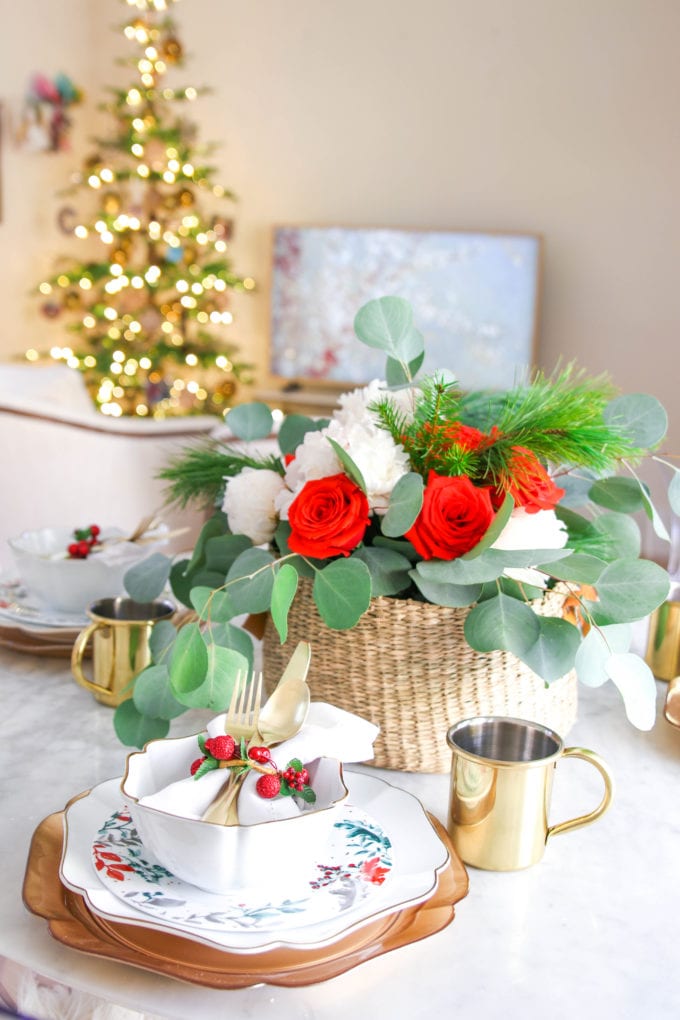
x: 58, y: 645
x: 71, y: 922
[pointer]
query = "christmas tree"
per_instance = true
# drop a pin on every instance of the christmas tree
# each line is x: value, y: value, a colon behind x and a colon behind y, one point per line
x: 148, y: 304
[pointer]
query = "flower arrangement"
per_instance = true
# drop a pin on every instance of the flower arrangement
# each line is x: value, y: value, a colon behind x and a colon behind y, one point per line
x: 414, y: 489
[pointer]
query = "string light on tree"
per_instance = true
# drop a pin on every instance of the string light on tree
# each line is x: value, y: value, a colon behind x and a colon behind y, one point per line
x: 148, y: 305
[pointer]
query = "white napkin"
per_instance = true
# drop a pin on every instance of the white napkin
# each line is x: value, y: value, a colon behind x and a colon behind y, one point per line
x: 328, y: 731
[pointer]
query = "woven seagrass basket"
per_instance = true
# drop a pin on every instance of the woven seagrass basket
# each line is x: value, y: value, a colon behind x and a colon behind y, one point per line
x: 407, y: 667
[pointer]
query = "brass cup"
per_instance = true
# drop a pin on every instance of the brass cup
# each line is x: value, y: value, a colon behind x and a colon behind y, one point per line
x: 501, y: 785
x: 120, y: 632
x: 663, y: 646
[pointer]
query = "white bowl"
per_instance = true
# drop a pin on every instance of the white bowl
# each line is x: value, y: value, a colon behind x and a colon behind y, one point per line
x: 221, y: 858
x: 71, y: 585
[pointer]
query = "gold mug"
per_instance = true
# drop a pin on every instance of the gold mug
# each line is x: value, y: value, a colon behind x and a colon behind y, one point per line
x: 120, y: 632
x: 501, y: 784
x: 663, y: 645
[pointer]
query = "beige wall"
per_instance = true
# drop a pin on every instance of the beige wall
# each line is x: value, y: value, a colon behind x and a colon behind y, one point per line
x: 554, y: 116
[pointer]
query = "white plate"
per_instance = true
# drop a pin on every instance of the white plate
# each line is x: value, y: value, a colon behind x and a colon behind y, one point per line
x: 303, y: 918
x: 24, y: 610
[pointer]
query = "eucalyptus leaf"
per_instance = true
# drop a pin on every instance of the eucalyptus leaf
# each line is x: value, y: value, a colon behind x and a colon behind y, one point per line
x: 145, y: 581
x: 134, y: 729
x: 616, y: 493
x: 224, y: 667
x: 294, y: 428
x: 400, y: 546
x: 502, y: 623
x: 674, y: 492
x: 342, y: 592
x: 405, y: 504
x: 497, y: 525
x: 189, y: 660
x: 214, y: 527
x: 161, y: 640
x: 250, y: 581
x: 387, y: 324
x: 213, y: 604
x: 553, y: 653
x: 250, y: 421
x: 283, y: 593
x: 180, y: 582
x: 153, y: 695
x: 487, y: 566
x: 631, y: 589
x: 348, y: 464
x: 579, y: 567
x: 610, y: 537
x: 222, y: 550
x: 640, y: 416
x: 636, y: 685
x: 655, y: 517
x: 596, y: 648
x: 396, y: 374
x: 576, y: 488
x: 230, y: 636
x: 389, y: 570
x: 453, y: 595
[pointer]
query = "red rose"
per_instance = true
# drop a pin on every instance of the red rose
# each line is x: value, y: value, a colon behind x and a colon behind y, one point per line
x: 454, y: 516
x: 529, y: 483
x: 328, y: 517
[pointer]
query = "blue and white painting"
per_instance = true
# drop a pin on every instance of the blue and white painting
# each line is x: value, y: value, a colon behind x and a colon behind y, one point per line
x: 474, y: 297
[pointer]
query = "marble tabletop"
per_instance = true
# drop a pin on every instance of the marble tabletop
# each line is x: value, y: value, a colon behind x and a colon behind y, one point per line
x: 587, y: 932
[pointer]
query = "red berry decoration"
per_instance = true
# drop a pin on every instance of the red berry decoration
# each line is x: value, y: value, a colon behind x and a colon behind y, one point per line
x: 221, y: 747
x: 95, y: 530
x: 260, y: 754
x: 268, y: 786
x: 74, y: 550
x: 195, y: 765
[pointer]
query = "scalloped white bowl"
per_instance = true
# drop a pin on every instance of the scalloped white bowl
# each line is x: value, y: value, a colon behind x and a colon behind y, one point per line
x: 67, y: 585
x: 221, y: 858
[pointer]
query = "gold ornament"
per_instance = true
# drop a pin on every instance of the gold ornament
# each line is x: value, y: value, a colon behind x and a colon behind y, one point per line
x: 171, y: 49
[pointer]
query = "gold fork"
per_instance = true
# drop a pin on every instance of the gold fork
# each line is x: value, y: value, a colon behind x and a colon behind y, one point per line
x: 241, y: 723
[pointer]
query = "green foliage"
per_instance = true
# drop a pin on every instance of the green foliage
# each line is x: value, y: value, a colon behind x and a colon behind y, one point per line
x: 568, y: 421
x: 196, y: 475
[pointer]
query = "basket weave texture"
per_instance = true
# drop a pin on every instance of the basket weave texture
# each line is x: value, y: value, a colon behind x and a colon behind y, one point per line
x: 407, y: 668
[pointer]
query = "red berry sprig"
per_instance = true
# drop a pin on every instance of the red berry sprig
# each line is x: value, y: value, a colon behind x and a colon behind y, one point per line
x: 85, y: 540
x: 223, y: 752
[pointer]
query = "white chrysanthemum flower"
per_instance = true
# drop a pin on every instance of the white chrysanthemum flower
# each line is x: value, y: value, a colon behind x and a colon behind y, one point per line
x: 249, y: 503
x: 542, y: 530
x: 353, y: 407
x: 380, y: 460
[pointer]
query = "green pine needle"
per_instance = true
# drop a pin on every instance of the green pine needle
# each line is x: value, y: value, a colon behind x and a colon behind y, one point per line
x: 197, y: 474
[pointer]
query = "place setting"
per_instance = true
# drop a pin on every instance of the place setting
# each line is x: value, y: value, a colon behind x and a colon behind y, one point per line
x: 248, y: 852
x: 58, y: 572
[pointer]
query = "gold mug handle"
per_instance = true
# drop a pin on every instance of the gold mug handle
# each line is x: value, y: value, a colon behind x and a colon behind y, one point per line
x: 576, y: 823
x: 78, y: 653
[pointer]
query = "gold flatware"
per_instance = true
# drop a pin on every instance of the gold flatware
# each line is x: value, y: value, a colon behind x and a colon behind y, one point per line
x: 241, y: 723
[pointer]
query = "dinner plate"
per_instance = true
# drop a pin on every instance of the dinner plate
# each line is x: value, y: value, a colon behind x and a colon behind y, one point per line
x: 302, y: 917
x: 74, y: 925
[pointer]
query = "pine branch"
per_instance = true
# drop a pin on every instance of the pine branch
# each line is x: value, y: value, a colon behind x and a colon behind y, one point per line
x: 197, y: 474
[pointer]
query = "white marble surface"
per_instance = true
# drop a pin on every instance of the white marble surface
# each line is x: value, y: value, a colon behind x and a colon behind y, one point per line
x: 589, y: 932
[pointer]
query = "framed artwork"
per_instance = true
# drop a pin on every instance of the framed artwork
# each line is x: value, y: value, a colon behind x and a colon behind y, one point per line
x: 474, y: 295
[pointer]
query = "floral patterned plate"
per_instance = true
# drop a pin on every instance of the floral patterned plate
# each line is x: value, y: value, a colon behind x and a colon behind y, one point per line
x: 357, y: 861
x: 384, y: 855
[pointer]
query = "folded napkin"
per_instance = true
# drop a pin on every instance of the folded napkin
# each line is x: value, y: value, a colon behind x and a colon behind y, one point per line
x: 328, y: 732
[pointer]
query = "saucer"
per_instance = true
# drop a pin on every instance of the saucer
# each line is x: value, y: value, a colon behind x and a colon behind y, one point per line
x: 19, y: 607
x: 302, y: 917
x: 73, y: 924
